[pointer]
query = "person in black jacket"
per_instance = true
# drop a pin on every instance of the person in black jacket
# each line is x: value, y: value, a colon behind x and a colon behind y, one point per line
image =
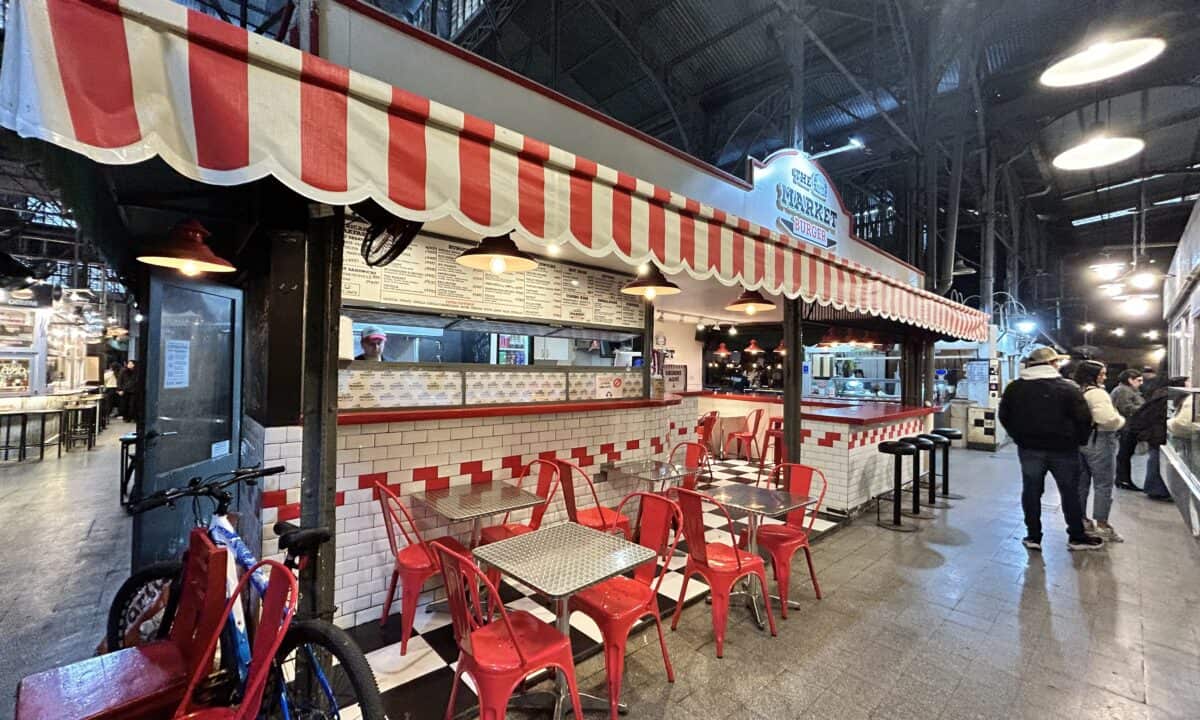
x: 1048, y: 419
x: 1149, y: 425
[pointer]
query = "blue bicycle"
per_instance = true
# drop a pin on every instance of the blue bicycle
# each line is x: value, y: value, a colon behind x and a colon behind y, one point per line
x: 319, y: 672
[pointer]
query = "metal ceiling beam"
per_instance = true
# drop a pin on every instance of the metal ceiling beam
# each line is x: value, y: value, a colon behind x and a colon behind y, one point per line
x: 707, y: 43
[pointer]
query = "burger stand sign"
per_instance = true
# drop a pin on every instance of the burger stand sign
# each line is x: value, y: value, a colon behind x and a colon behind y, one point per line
x: 793, y: 195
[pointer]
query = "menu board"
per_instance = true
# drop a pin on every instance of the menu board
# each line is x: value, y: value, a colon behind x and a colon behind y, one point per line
x: 426, y: 277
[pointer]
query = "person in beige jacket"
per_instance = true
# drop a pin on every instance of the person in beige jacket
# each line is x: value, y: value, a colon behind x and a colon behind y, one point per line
x: 1098, y: 456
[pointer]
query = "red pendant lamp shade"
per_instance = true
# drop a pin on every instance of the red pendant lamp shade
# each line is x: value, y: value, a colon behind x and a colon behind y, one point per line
x: 186, y: 250
x: 721, y: 351
x: 753, y: 348
x: 750, y: 302
x: 781, y: 349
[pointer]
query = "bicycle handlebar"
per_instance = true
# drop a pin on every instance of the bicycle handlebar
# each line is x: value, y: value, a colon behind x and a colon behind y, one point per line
x: 197, y: 487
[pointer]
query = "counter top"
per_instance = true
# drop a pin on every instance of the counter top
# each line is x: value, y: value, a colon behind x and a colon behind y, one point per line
x: 851, y: 412
x: 363, y: 417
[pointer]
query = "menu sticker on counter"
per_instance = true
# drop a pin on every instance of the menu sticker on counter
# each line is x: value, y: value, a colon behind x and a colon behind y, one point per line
x: 426, y: 277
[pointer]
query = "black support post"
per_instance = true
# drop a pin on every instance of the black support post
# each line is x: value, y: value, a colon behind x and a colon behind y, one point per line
x: 322, y: 301
x: 648, y: 349
x: 793, y: 376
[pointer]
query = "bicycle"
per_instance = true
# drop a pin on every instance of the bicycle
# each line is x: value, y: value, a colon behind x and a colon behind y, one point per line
x: 319, y: 671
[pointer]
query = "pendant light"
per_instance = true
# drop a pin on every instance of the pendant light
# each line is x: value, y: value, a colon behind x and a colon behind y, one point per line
x: 753, y: 348
x: 781, y: 349
x: 1099, y: 149
x: 750, y: 302
x: 721, y: 351
x: 961, y: 268
x: 650, y: 284
x: 1101, y: 61
x: 187, y: 251
x: 498, y: 255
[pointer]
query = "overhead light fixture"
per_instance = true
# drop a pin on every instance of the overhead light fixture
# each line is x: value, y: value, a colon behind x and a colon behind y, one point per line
x: 650, y: 285
x: 1119, y: 332
x: 753, y: 348
x: 139, y: 317
x: 643, y: 268
x: 781, y: 349
x: 852, y: 144
x: 187, y: 251
x: 1107, y: 270
x: 700, y: 324
x: 498, y: 254
x: 1088, y: 327
x: 961, y: 268
x: 1101, y: 61
x: 1112, y: 289
x: 1098, y: 150
x: 1025, y: 326
x: 1143, y: 280
x: 1135, y: 305
x: 553, y: 249
x: 750, y: 302
x: 733, y: 329
x: 721, y: 351
x: 1151, y: 334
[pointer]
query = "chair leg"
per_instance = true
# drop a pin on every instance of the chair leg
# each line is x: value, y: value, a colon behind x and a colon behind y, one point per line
x: 679, y: 603
x: 812, y: 572
x: 410, y: 591
x: 614, y: 669
x: 783, y: 575
x: 662, y: 641
x: 762, y: 580
x: 454, y: 690
x: 720, y: 615
x: 391, y: 593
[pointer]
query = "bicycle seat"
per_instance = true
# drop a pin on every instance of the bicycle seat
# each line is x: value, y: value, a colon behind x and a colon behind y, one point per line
x: 300, y: 541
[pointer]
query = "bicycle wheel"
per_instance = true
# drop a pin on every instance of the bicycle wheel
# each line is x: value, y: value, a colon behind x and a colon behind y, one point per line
x: 143, y: 608
x: 348, y: 689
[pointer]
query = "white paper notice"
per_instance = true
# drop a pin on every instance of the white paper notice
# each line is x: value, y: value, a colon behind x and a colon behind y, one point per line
x: 176, y: 363
x: 220, y: 449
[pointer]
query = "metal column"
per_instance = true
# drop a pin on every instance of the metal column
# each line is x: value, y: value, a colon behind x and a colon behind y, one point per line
x: 793, y: 376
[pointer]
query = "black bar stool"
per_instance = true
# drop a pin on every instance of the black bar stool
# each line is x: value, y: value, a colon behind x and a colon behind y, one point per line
x: 938, y: 441
x: 920, y: 444
x: 898, y: 450
x: 949, y: 434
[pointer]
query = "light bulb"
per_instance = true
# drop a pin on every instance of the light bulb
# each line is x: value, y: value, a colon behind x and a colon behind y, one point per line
x: 699, y: 324
x: 750, y: 310
x: 1088, y: 327
x: 733, y: 330
x: 1026, y: 327
x: 1119, y: 332
x: 643, y: 268
x: 1152, y: 335
x: 552, y: 250
x: 650, y: 293
x: 138, y: 318
x: 1108, y: 270
x: 1135, y: 306
x: 1143, y: 280
x: 497, y: 265
x: 189, y: 268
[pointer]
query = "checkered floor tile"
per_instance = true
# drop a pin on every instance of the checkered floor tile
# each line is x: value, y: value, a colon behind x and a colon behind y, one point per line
x: 411, y: 683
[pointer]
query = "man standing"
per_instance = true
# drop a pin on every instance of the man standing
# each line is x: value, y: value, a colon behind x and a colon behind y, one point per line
x: 1127, y: 398
x: 373, y: 340
x: 1047, y: 417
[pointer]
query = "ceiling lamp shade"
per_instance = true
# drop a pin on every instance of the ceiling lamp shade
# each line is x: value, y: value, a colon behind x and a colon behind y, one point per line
x: 186, y: 250
x: 1143, y: 280
x: 721, y: 351
x: 1107, y: 270
x: 650, y: 284
x: 1113, y: 289
x: 753, y: 348
x: 750, y: 302
x: 1101, y: 61
x: 1099, y: 150
x: 781, y: 349
x: 961, y: 268
x: 497, y: 255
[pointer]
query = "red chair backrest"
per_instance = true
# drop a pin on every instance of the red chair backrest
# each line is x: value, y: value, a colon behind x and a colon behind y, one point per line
x: 395, y: 517
x: 694, y: 456
x: 798, y: 480
x: 705, y: 425
x: 569, y: 471
x: 463, y: 579
x: 691, y: 505
x: 201, y: 597
x: 775, y: 423
x: 547, y: 485
x: 278, y: 607
x: 659, y: 524
x: 753, y: 420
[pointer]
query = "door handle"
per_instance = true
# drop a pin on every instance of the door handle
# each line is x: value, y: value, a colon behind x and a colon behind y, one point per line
x: 154, y: 434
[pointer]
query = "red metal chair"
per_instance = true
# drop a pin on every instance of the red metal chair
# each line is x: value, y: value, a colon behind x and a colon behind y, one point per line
x: 547, y: 485
x: 146, y: 681
x: 705, y: 426
x: 747, y: 441
x: 721, y: 565
x: 782, y: 541
x: 414, y: 561
x: 597, y: 517
x: 278, y: 607
x: 497, y: 653
x: 618, y: 603
x: 772, y: 438
x: 694, y: 455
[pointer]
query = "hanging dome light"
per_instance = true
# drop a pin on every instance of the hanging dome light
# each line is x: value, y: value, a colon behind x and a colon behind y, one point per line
x: 753, y: 348
x: 1112, y: 289
x: 1135, y: 305
x: 1143, y: 280
x: 961, y: 268
x: 187, y: 251
x: 1107, y: 269
x: 733, y: 330
x: 650, y: 284
x: 721, y: 351
x: 1098, y: 150
x: 750, y: 302
x: 1101, y: 61
x: 781, y: 349
x: 497, y: 255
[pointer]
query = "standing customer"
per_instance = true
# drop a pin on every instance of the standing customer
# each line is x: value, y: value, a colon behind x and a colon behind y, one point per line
x: 128, y: 388
x: 110, y: 388
x: 1097, y: 455
x: 1127, y: 398
x: 1149, y: 425
x: 1048, y: 419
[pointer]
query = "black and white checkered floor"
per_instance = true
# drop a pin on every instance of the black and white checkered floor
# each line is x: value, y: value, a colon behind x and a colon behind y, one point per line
x: 415, y: 685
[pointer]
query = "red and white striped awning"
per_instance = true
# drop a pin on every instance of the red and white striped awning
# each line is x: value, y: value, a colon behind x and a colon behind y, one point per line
x: 122, y: 82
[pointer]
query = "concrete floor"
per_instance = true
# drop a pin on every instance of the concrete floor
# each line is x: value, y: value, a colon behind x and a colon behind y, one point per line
x: 64, y: 551
x: 958, y: 621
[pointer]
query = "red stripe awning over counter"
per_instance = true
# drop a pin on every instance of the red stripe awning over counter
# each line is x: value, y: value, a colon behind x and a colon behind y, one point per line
x: 122, y: 82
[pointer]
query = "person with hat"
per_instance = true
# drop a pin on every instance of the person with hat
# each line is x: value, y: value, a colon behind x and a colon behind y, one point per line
x: 1048, y: 418
x: 373, y: 341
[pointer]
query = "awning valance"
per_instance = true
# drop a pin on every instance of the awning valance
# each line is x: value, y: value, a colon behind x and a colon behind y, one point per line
x: 122, y: 82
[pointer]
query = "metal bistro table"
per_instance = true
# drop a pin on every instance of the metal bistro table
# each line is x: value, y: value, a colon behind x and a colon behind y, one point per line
x: 475, y: 502
x: 758, y: 502
x: 657, y: 473
x: 557, y: 562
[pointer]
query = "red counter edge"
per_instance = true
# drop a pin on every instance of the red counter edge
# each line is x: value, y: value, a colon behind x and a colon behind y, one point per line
x: 871, y: 414
x: 366, y: 417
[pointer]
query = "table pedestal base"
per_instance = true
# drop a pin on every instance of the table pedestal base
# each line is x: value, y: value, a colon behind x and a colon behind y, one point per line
x: 561, y: 704
x: 792, y: 604
x: 749, y: 591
